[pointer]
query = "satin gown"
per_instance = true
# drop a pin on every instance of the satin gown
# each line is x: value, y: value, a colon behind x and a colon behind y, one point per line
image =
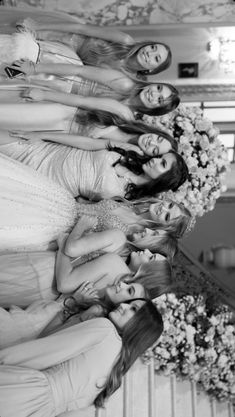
x: 89, y: 174
x: 72, y: 375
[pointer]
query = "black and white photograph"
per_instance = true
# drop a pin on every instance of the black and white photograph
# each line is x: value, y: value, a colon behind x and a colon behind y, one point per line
x: 117, y: 202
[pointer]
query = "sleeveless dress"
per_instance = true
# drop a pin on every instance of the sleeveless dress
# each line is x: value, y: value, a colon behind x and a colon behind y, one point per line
x: 89, y: 174
x: 34, y: 210
x: 73, y: 376
x: 17, y: 325
x: 29, y: 276
x: 14, y: 112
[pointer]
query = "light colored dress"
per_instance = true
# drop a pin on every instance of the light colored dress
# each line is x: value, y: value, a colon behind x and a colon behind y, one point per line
x: 17, y: 325
x: 29, y: 276
x: 26, y: 277
x: 16, y: 114
x: 34, y: 210
x: 73, y: 373
x: 89, y: 174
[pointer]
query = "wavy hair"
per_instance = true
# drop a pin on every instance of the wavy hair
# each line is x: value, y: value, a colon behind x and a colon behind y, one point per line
x: 170, y: 180
x: 131, y: 100
x: 139, y: 334
x: 176, y: 227
x: 155, y: 276
x: 165, y: 244
x: 100, y: 52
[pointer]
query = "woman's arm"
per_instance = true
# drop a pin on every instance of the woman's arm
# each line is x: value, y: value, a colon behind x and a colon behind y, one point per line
x: 52, y: 350
x: 76, y: 141
x: 89, y: 103
x: 108, y: 240
x: 105, y: 33
x: 114, y: 79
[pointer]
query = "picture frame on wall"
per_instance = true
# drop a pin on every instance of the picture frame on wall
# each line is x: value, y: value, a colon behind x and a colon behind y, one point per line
x: 188, y: 70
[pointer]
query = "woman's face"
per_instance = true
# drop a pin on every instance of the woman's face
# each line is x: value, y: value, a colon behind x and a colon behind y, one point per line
x: 151, y: 56
x: 154, y: 95
x: 164, y: 211
x: 122, y: 291
x: 125, y: 312
x: 153, y: 144
x: 158, y: 166
x: 145, y: 237
x: 141, y: 257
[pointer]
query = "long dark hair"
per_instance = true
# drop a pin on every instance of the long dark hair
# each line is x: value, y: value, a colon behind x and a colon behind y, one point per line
x: 106, y: 118
x: 139, y: 334
x: 100, y: 52
x: 170, y: 180
x: 137, y: 129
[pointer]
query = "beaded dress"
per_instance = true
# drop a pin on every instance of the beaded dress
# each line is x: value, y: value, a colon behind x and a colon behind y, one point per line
x: 34, y: 210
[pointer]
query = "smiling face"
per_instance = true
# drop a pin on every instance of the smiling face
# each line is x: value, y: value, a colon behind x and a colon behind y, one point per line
x: 146, y: 236
x: 151, y: 56
x: 158, y: 166
x: 164, y: 211
x: 154, y: 95
x: 122, y: 291
x: 125, y: 312
x: 141, y: 257
x: 154, y: 145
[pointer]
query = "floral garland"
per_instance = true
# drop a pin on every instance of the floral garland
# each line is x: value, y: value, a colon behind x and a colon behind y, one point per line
x: 204, y: 154
x: 197, y: 344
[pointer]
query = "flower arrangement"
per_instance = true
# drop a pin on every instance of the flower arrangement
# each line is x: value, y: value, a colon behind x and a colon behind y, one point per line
x: 197, y: 344
x: 204, y: 154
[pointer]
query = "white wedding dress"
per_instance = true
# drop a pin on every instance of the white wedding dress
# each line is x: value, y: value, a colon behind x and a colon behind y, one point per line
x: 34, y: 211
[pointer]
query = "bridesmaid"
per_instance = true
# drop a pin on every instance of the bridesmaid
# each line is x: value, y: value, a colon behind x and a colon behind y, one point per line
x: 86, y: 367
x: 101, y: 174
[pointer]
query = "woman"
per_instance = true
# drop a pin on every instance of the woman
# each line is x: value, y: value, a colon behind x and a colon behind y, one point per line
x: 17, y: 325
x: 136, y: 136
x: 109, y: 47
x: 101, y: 174
x: 54, y: 110
x: 110, y: 347
x: 34, y: 211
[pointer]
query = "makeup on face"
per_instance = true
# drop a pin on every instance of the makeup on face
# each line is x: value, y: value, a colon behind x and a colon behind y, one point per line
x: 152, y: 56
x: 153, y: 144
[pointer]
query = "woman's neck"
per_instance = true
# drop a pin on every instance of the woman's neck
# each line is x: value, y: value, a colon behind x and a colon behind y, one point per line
x: 129, y: 176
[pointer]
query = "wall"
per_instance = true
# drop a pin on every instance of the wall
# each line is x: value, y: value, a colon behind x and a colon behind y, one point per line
x: 139, y: 12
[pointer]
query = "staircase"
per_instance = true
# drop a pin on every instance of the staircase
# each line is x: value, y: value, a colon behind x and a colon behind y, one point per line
x: 145, y: 393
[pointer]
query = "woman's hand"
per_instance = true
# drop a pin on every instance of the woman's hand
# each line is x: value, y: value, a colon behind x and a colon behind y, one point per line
x: 27, y: 25
x: 31, y: 137
x: 33, y: 94
x: 24, y: 65
x: 85, y: 293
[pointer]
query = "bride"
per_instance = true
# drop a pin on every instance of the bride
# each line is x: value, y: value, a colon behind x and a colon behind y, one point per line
x: 34, y: 210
